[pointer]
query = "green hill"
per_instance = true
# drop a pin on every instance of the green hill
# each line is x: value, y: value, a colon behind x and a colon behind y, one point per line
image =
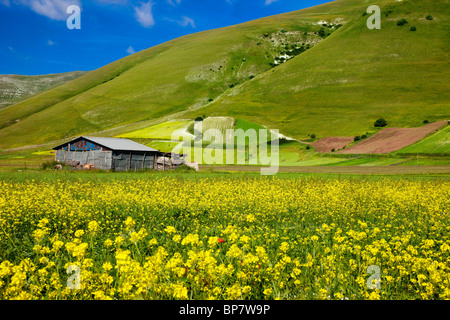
x: 285, y: 71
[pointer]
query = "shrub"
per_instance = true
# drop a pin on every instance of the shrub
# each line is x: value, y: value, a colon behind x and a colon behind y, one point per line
x: 184, y: 168
x: 357, y: 138
x: 199, y: 118
x: 363, y: 136
x: 308, y: 147
x: 380, y: 123
x: 402, y: 22
x: 429, y: 17
x: 313, y: 136
x: 50, y: 165
x: 322, y: 32
x: 413, y: 28
x: 426, y: 121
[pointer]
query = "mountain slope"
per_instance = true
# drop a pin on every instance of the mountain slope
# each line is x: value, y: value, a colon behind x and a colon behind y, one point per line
x: 349, y: 77
x: 14, y: 88
x: 342, y: 85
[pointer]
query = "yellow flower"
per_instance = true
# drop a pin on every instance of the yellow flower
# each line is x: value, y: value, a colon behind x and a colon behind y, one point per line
x: 57, y: 245
x: 244, y: 239
x: 107, y: 266
x: 179, y: 291
x: 190, y: 239
x: 134, y: 237
x: 246, y: 289
x: 234, y: 251
x: 284, y: 246
x: 39, y: 234
x: 79, y: 233
x: 93, y: 226
x: 118, y: 241
x: 267, y: 292
x: 250, y: 218
x: 170, y: 229
x: 129, y: 223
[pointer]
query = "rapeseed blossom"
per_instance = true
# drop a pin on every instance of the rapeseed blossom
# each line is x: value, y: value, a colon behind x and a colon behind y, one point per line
x: 252, y: 238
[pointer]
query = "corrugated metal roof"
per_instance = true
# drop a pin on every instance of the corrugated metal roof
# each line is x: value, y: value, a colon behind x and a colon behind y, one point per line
x: 120, y: 144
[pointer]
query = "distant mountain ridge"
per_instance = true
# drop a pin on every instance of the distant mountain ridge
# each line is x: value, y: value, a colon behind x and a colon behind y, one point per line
x: 17, y: 87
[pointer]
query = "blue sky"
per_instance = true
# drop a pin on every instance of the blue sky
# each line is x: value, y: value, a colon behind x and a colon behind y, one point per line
x: 35, y: 39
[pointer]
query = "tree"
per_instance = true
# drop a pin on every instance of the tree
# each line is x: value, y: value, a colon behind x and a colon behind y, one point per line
x: 321, y: 32
x: 429, y: 17
x: 402, y: 22
x: 380, y: 123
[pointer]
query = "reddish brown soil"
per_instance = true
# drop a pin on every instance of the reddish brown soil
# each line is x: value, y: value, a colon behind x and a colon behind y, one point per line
x: 330, y: 143
x: 393, y: 139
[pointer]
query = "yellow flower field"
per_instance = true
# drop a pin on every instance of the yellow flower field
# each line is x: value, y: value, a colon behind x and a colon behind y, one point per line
x: 168, y: 237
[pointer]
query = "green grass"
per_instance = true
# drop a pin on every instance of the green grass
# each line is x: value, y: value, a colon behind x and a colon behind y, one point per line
x: 438, y: 142
x: 355, y: 76
x: 162, y: 131
x: 248, y: 125
x: 338, y: 87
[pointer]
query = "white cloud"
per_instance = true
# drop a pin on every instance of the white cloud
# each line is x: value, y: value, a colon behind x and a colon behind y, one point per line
x: 268, y: 2
x: 186, y: 21
x: 50, y: 42
x: 5, y: 2
x: 53, y: 9
x: 172, y: 2
x: 144, y: 14
x: 130, y: 50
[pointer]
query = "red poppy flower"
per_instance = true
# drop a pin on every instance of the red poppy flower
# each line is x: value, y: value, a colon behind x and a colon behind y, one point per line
x: 220, y: 240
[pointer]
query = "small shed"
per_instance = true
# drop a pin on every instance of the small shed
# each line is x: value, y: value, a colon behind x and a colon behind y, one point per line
x: 111, y: 154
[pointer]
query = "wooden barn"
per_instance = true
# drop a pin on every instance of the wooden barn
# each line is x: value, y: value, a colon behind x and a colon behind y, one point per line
x: 114, y: 154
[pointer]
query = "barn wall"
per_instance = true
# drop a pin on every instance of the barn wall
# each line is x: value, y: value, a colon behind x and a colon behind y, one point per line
x: 100, y: 159
x: 82, y: 145
x: 124, y: 161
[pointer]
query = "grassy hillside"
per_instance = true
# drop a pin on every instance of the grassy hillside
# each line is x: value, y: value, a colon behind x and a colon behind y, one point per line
x: 14, y: 88
x: 438, y: 142
x: 284, y: 72
x: 342, y: 85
